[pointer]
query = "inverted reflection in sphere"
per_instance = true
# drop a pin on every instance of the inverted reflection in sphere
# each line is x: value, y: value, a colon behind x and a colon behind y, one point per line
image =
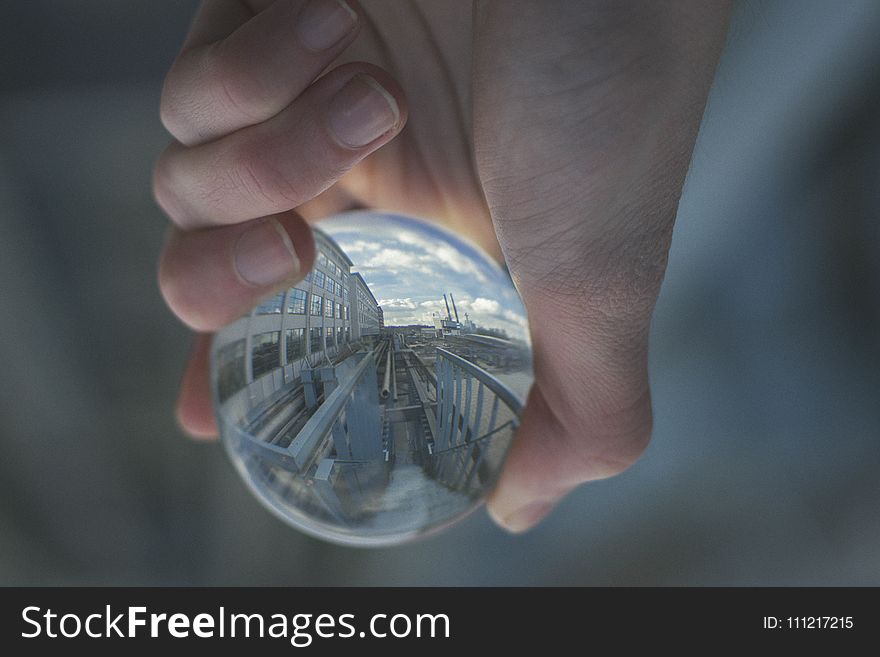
x: 375, y: 400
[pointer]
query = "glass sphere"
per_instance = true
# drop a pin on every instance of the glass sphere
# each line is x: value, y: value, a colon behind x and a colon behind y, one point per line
x: 374, y: 401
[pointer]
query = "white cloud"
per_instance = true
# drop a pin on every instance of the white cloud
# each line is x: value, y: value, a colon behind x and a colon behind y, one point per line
x: 442, y: 254
x: 359, y: 246
x: 515, y: 318
x: 485, y: 306
x: 409, y: 271
x: 396, y: 261
x: 402, y: 316
x: 407, y: 303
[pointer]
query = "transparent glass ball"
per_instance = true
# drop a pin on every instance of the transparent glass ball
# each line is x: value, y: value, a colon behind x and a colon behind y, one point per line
x: 375, y: 401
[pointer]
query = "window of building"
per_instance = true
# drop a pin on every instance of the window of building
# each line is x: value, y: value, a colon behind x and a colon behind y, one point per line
x: 230, y: 368
x: 265, y: 353
x: 319, y: 279
x: 347, y: 334
x: 322, y: 259
x: 345, y: 295
x: 296, y: 302
x: 328, y: 308
x: 339, y: 312
x: 296, y: 344
x: 340, y: 335
x: 329, y: 336
x: 317, y: 305
x: 272, y: 306
x: 315, y: 340
x: 347, y: 313
x: 330, y: 284
x: 308, y: 278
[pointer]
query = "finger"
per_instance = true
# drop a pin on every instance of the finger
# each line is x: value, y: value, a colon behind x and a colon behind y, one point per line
x: 287, y: 160
x: 222, y: 82
x: 212, y: 276
x: 566, y: 440
x: 195, y: 412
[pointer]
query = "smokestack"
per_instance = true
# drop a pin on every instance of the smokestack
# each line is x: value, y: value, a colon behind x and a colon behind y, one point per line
x: 453, y: 306
x: 448, y: 314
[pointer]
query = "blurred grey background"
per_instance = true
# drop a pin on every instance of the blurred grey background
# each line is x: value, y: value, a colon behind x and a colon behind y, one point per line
x: 766, y: 342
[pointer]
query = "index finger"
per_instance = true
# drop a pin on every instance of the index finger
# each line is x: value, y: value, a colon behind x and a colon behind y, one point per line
x: 239, y: 66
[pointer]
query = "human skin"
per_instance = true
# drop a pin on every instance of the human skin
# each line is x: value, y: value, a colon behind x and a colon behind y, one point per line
x: 556, y: 135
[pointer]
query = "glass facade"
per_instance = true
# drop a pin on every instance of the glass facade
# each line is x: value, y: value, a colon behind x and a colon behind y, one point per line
x: 296, y: 344
x: 265, y: 353
x: 317, y: 305
x: 296, y: 302
x: 316, y: 341
x: 230, y: 369
x: 271, y: 306
x: 314, y: 316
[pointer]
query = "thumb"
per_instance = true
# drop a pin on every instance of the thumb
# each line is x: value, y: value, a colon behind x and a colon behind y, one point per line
x: 588, y: 417
x: 582, y: 145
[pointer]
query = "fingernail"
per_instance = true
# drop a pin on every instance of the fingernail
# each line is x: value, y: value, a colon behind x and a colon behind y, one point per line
x: 361, y: 112
x: 322, y: 24
x: 264, y: 254
x: 525, y: 517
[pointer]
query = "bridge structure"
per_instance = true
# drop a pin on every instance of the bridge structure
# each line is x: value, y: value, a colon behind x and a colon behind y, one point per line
x: 390, y: 427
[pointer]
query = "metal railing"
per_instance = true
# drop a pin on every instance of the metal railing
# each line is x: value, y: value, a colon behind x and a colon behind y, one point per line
x: 349, y: 417
x: 473, y: 410
x: 350, y: 414
x: 341, y: 458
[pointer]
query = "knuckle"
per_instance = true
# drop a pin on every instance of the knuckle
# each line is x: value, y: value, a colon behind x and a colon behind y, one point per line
x: 260, y: 180
x: 169, y: 112
x: 619, y: 439
x: 168, y: 106
x: 176, y: 111
x: 625, y: 452
x: 161, y: 187
x: 164, y: 189
x: 233, y: 87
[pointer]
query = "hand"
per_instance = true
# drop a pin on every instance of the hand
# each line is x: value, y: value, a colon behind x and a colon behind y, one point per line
x: 570, y: 163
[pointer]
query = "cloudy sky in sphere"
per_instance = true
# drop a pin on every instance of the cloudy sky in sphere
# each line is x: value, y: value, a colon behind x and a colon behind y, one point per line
x: 409, y: 265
